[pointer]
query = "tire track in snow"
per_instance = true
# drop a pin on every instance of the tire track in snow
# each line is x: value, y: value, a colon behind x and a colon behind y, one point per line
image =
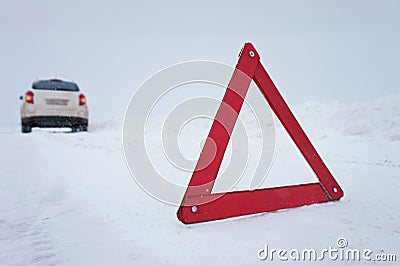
x: 25, y: 237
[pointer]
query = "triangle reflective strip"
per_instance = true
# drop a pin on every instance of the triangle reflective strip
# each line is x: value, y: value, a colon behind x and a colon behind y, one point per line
x: 200, y: 205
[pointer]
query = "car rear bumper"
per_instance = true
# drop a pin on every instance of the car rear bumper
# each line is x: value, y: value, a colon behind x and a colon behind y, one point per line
x: 34, y: 110
x: 55, y: 121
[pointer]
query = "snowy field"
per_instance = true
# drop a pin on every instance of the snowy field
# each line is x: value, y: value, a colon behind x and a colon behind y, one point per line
x: 68, y: 198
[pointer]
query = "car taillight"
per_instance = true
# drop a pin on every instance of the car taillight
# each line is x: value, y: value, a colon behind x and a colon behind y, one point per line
x: 82, y: 99
x: 29, y: 97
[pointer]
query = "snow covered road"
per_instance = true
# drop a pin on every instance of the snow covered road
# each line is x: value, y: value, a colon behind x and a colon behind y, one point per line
x: 68, y: 198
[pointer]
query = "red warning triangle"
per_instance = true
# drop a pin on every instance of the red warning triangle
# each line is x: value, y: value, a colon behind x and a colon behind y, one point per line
x: 200, y: 205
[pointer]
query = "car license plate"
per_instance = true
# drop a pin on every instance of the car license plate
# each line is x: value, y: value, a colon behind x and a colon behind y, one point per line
x: 56, y: 102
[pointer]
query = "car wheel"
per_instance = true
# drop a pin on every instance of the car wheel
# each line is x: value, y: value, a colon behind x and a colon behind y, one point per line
x: 83, y: 128
x: 74, y: 129
x: 26, y: 128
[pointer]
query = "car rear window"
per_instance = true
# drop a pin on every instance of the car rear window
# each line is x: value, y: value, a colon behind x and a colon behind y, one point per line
x: 55, y: 85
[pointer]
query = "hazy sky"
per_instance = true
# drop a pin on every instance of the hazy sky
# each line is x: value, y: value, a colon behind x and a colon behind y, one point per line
x: 314, y: 50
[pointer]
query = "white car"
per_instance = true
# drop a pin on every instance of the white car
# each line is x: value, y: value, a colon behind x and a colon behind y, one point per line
x: 54, y: 103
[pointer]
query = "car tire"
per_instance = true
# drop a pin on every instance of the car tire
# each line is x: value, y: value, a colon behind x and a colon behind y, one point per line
x: 26, y: 128
x: 74, y: 129
x: 83, y: 128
